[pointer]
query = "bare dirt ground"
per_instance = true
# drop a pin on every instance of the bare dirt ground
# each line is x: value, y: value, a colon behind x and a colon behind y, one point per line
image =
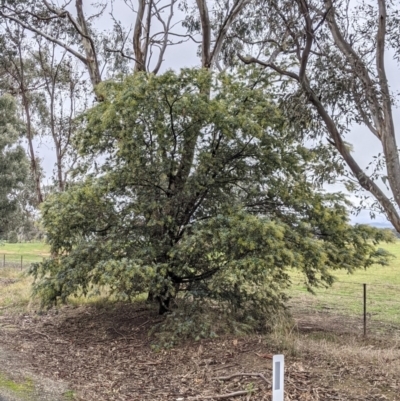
x: 105, y: 354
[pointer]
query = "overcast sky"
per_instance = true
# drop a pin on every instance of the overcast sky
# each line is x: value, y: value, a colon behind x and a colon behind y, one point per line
x: 184, y: 55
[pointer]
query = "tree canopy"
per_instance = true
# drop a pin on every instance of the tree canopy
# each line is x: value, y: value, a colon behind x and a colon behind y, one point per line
x: 194, y: 183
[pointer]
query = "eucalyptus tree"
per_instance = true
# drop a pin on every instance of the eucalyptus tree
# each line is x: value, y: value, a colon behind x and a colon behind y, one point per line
x: 64, y: 95
x: 331, y: 58
x: 19, y: 79
x: 50, y: 91
x: 13, y: 161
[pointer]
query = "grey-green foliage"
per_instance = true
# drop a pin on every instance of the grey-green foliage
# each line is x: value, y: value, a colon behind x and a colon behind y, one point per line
x: 13, y: 160
x: 211, y: 196
x: 333, y: 61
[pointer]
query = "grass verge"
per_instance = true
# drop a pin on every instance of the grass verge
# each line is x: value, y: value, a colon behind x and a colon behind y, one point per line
x: 24, y: 389
x: 15, y: 290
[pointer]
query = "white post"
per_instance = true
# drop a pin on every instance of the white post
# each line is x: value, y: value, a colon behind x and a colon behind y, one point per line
x: 278, y: 371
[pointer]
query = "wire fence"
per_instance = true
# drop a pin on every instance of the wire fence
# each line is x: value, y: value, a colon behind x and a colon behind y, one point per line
x: 349, y: 307
x: 14, y: 261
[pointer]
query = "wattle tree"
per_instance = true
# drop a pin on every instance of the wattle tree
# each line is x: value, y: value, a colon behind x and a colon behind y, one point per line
x: 193, y: 183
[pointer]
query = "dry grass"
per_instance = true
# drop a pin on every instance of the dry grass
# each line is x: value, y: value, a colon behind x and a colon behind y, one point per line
x: 359, y: 367
x: 353, y: 366
x: 15, y: 291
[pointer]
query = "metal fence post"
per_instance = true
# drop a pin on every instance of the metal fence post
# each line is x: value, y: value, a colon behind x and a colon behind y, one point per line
x: 21, y: 262
x: 4, y: 260
x: 365, y: 309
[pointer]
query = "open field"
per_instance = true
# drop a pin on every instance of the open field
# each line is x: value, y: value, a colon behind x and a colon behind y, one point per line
x: 31, y: 252
x: 345, y: 297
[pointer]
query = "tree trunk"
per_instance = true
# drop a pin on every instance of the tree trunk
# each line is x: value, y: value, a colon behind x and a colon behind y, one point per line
x: 137, y: 36
x: 34, y: 165
x: 164, y: 304
x: 88, y: 45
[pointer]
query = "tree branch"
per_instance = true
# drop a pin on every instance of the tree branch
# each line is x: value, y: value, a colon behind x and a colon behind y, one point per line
x: 46, y: 36
x: 309, y: 38
x: 167, y: 27
x: 251, y: 60
x: 357, y: 65
x: 137, y: 35
x: 206, y: 31
x: 366, y: 182
x: 89, y: 46
x: 237, y: 7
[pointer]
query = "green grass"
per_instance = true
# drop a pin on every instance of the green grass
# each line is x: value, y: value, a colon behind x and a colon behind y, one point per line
x: 22, y: 389
x: 30, y: 252
x: 69, y: 395
x: 346, y: 295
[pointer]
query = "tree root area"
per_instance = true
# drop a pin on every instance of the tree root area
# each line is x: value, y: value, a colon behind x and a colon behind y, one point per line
x: 105, y: 353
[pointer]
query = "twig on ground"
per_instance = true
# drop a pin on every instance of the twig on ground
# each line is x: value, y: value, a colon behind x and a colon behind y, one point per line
x: 222, y: 396
x: 119, y: 333
x: 41, y: 334
x: 141, y: 325
x: 260, y: 375
x: 224, y: 367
